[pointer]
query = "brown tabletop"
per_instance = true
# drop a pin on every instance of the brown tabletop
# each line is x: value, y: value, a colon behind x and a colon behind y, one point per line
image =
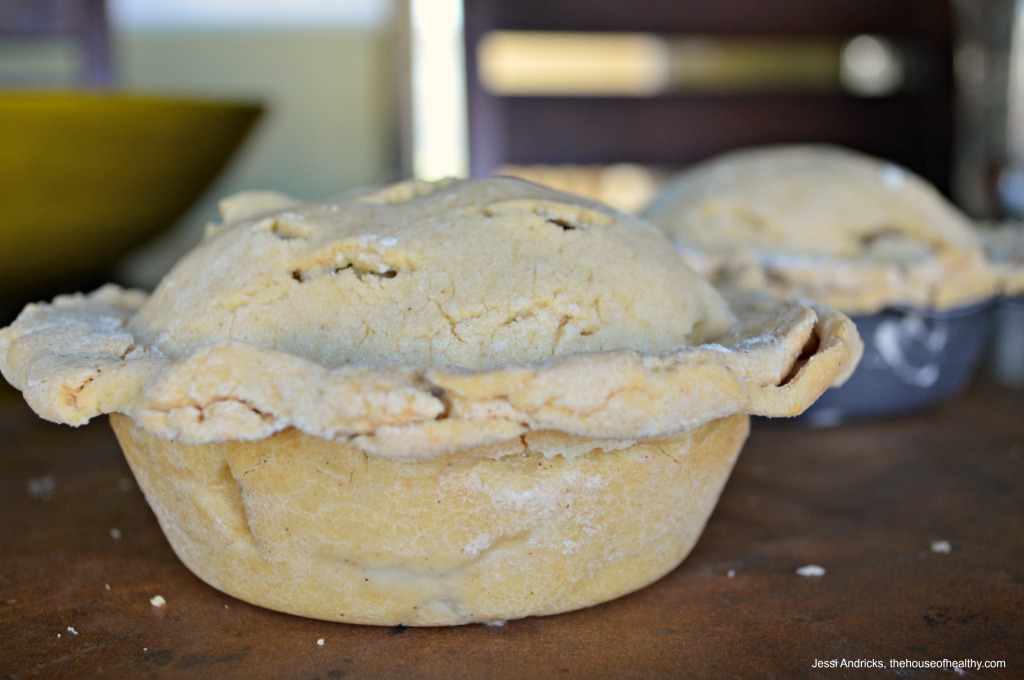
x: 918, y: 523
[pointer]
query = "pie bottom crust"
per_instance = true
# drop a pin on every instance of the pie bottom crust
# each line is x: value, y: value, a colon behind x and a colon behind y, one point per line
x: 317, y: 528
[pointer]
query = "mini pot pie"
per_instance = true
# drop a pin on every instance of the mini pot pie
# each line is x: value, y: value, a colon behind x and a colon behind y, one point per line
x: 859, y: 234
x: 431, y: 404
x: 851, y: 231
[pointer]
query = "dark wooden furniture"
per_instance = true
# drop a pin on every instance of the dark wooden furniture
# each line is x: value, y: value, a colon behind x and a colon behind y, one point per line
x: 912, y: 126
x: 84, y: 22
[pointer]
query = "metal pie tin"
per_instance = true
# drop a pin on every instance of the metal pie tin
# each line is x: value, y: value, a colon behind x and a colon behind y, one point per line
x: 913, y: 359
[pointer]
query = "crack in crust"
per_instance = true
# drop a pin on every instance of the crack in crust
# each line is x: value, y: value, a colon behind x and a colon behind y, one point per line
x: 775, y: 362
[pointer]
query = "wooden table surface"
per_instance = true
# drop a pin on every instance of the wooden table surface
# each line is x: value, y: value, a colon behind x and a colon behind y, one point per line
x: 81, y: 555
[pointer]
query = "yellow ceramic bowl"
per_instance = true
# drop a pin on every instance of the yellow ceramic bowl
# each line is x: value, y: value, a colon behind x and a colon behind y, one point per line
x: 86, y: 177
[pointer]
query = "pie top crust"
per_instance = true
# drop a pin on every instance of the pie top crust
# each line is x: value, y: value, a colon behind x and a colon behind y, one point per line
x: 425, y: 319
x: 846, y: 229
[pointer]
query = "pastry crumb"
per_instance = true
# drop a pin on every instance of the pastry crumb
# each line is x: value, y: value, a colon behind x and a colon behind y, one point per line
x: 893, y: 176
x: 71, y: 629
x: 157, y: 601
x: 811, y: 570
x: 320, y: 642
x: 115, y: 534
x: 941, y: 547
x: 731, y: 573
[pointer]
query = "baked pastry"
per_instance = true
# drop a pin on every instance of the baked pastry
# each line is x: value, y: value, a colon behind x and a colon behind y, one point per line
x: 1004, y: 245
x: 851, y: 231
x: 432, y: 404
x: 624, y: 186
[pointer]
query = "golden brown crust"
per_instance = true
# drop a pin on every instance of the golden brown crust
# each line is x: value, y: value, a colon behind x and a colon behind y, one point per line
x: 474, y: 273
x: 317, y: 528
x: 535, y: 413
x: 236, y: 391
x: 850, y: 231
x: 590, y: 326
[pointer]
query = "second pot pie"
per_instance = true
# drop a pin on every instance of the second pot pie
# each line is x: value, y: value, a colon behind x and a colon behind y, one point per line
x: 854, y: 232
x: 431, y: 404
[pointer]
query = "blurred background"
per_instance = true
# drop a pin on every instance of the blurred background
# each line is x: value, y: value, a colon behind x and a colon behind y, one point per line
x: 601, y: 97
